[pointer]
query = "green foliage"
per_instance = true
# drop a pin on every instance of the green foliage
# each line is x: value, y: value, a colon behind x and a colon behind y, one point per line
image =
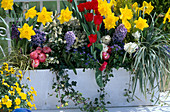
x: 151, y: 63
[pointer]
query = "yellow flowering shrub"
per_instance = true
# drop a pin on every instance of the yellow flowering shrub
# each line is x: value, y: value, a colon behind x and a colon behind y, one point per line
x: 12, y: 92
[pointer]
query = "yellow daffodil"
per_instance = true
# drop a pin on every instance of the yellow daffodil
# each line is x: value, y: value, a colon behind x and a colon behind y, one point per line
x: 17, y: 101
x: 23, y: 96
x: 65, y: 15
x: 110, y: 21
x: 127, y: 25
x: 167, y: 16
x: 135, y: 6
x: 147, y: 7
x: 104, y: 8
x: 8, y: 103
x: 26, y: 31
x: 16, y: 107
x: 44, y: 16
x: 141, y: 23
x: 113, y: 2
x: 31, y: 13
x: 126, y: 14
x: 7, y: 4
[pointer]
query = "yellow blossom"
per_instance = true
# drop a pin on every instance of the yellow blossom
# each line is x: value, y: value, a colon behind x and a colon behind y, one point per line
x: 16, y: 84
x: 12, y: 70
x: 135, y: 6
x: 147, y: 7
x: 31, y: 13
x: 110, y: 21
x: 34, y: 92
x: 20, y: 72
x: 65, y: 15
x: 5, y: 66
x: 7, y: 4
x: 11, y: 92
x: 8, y: 103
x: 18, y: 90
x: 17, y: 101
x: 32, y: 98
x: 29, y: 104
x: 16, y: 107
x: 127, y: 25
x: 126, y: 14
x: 5, y: 84
x: 1, y: 72
x: 113, y: 2
x: 141, y: 23
x: 32, y: 88
x: 104, y: 8
x: 26, y: 31
x: 167, y: 16
x: 23, y: 96
x: 34, y: 107
x: 28, y: 79
x: 0, y: 104
x: 44, y: 16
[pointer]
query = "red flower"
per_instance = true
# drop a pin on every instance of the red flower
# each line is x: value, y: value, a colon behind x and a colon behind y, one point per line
x: 42, y: 57
x: 70, y: 1
x: 98, y: 20
x: 92, y: 39
x: 35, y: 63
x: 89, y: 17
x: 105, y: 55
x: 88, y: 5
x: 103, y: 66
x: 81, y: 7
x: 46, y: 49
x: 33, y: 55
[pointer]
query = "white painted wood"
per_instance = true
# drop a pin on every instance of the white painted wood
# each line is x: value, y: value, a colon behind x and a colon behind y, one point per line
x: 41, y: 80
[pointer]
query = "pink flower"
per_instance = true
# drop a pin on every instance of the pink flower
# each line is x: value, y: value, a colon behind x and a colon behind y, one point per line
x: 33, y: 55
x: 38, y: 50
x: 35, y: 63
x: 42, y: 57
x: 105, y: 55
x: 46, y: 49
x: 103, y: 66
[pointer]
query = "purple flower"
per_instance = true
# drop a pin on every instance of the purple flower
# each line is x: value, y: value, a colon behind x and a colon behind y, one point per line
x: 70, y: 38
x: 15, y: 32
x: 38, y: 39
x: 120, y: 33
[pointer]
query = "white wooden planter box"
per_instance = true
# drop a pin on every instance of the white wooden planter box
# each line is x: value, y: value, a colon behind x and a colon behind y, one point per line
x: 41, y: 80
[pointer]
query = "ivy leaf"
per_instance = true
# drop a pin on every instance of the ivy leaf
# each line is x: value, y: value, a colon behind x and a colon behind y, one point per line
x: 98, y: 76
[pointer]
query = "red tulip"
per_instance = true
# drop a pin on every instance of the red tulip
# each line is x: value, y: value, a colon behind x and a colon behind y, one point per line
x: 35, y: 63
x: 88, y: 5
x: 46, y: 49
x: 92, y: 39
x: 103, y: 66
x: 81, y: 7
x: 98, y: 20
x: 42, y: 57
x: 105, y: 55
x: 33, y: 55
x: 89, y: 17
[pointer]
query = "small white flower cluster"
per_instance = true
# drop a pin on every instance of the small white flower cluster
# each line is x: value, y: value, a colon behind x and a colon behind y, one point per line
x: 106, y: 39
x: 51, y: 60
x: 136, y: 35
x: 130, y: 47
